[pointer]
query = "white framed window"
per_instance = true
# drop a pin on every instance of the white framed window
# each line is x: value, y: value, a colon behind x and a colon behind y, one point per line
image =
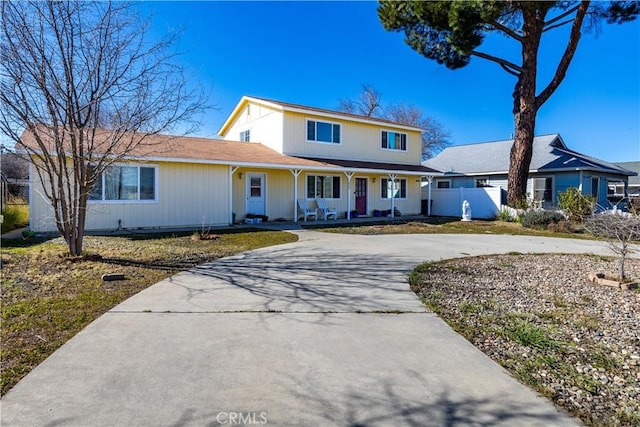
x: 482, y: 182
x: 245, y: 135
x: 543, y: 189
x: 327, y: 132
x: 323, y: 187
x: 119, y: 183
x: 397, y: 191
x: 395, y: 141
x: 443, y: 183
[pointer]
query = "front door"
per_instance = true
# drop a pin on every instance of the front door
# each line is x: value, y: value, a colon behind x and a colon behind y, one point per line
x: 255, y: 193
x: 361, y: 196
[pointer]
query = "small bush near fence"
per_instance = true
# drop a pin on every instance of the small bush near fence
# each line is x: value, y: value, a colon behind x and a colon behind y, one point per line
x: 15, y: 214
x: 541, y: 219
x: 576, y: 205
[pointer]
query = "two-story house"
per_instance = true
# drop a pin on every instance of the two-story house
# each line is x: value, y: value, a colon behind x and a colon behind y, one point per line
x: 272, y: 154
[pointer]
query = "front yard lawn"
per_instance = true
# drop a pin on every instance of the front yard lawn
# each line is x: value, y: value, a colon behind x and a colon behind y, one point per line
x: 48, y: 297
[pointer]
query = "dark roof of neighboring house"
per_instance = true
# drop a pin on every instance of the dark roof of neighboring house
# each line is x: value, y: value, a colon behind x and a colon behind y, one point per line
x: 391, y: 167
x: 549, y: 154
x: 633, y: 167
x: 206, y: 150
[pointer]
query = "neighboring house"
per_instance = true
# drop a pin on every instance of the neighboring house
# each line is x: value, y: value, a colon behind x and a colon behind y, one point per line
x: 634, y: 181
x: 285, y: 152
x: 554, y: 168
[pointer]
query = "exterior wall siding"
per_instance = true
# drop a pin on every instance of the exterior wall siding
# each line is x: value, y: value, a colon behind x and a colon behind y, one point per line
x: 280, y: 186
x: 359, y: 141
x: 188, y: 195
x: 265, y: 124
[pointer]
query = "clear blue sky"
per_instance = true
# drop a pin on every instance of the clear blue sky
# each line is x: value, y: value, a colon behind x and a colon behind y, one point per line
x: 315, y: 53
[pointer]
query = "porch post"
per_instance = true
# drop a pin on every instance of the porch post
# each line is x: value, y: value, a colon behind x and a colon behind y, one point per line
x: 349, y: 175
x: 232, y: 170
x: 393, y: 177
x: 429, y: 179
x: 296, y: 173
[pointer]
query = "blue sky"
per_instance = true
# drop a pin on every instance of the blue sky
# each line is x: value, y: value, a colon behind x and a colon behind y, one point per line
x: 315, y: 53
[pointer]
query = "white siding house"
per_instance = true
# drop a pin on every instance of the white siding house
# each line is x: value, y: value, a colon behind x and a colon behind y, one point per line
x: 271, y: 155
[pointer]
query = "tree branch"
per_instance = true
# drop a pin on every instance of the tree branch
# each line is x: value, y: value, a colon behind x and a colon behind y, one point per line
x: 562, y: 15
x: 508, y: 31
x: 506, y: 65
x: 570, y: 50
x: 568, y: 21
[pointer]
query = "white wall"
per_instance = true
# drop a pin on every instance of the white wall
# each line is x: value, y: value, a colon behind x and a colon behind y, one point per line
x: 484, y: 202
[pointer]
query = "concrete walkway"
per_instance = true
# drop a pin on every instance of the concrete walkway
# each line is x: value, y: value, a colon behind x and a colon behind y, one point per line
x: 321, y: 332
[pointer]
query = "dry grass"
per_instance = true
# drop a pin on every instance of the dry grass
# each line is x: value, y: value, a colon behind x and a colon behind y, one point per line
x: 48, y: 297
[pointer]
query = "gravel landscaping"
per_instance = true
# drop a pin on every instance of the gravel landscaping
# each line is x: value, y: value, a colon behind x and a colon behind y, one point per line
x: 573, y: 341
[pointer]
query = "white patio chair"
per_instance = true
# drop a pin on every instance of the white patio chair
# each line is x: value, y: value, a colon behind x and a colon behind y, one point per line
x: 326, y: 210
x: 306, y: 210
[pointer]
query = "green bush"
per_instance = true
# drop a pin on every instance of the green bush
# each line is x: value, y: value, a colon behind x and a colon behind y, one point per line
x: 576, y: 205
x: 541, y: 219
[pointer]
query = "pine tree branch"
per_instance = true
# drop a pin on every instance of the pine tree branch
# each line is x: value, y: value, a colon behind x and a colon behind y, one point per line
x: 509, y: 67
x: 570, y: 50
x: 508, y: 31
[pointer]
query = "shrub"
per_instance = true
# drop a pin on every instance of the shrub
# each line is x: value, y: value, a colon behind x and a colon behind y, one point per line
x: 576, y: 205
x: 507, y: 214
x: 15, y: 216
x: 541, y: 219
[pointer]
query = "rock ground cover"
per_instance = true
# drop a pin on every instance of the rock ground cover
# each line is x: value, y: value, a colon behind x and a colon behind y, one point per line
x: 575, y: 342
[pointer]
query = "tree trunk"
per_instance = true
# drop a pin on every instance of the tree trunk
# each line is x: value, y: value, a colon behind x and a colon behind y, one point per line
x: 525, y: 110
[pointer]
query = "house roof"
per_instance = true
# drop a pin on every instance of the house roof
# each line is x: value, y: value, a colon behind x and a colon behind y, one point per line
x: 549, y: 154
x: 213, y: 151
x: 389, y: 167
x: 633, y: 167
x: 286, y: 106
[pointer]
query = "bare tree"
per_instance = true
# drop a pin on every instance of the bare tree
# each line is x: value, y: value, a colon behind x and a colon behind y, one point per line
x: 435, y: 136
x: 619, y: 230
x: 81, y: 82
x: 368, y: 103
x: 13, y: 166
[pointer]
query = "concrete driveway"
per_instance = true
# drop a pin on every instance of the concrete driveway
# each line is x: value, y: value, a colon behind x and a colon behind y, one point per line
x: 321, y: 332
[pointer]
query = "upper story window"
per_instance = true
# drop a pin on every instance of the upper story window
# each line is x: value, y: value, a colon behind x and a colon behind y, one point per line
x: 245, y: 135
x: 323, y: 132
x: 125, y: 183
x: 394, y: 141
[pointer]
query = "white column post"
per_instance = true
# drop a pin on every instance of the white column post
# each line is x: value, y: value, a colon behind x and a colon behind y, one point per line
x: 232, y: 170
x: 349, y: 175
x: 429, y: 179
x: 296, y: 173
x: 393, y: 177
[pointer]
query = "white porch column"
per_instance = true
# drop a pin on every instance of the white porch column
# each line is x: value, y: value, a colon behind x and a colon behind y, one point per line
x: 349, y: 175
x: 296, y: 173
x: 429, y: 179
x: 393, y: 177
x: 232, y: 170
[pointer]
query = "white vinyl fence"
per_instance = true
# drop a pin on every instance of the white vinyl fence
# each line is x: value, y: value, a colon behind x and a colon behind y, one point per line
x: 484, y: 202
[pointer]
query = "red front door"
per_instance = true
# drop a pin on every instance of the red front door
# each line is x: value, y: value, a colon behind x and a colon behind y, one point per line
x: 361, y: 196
